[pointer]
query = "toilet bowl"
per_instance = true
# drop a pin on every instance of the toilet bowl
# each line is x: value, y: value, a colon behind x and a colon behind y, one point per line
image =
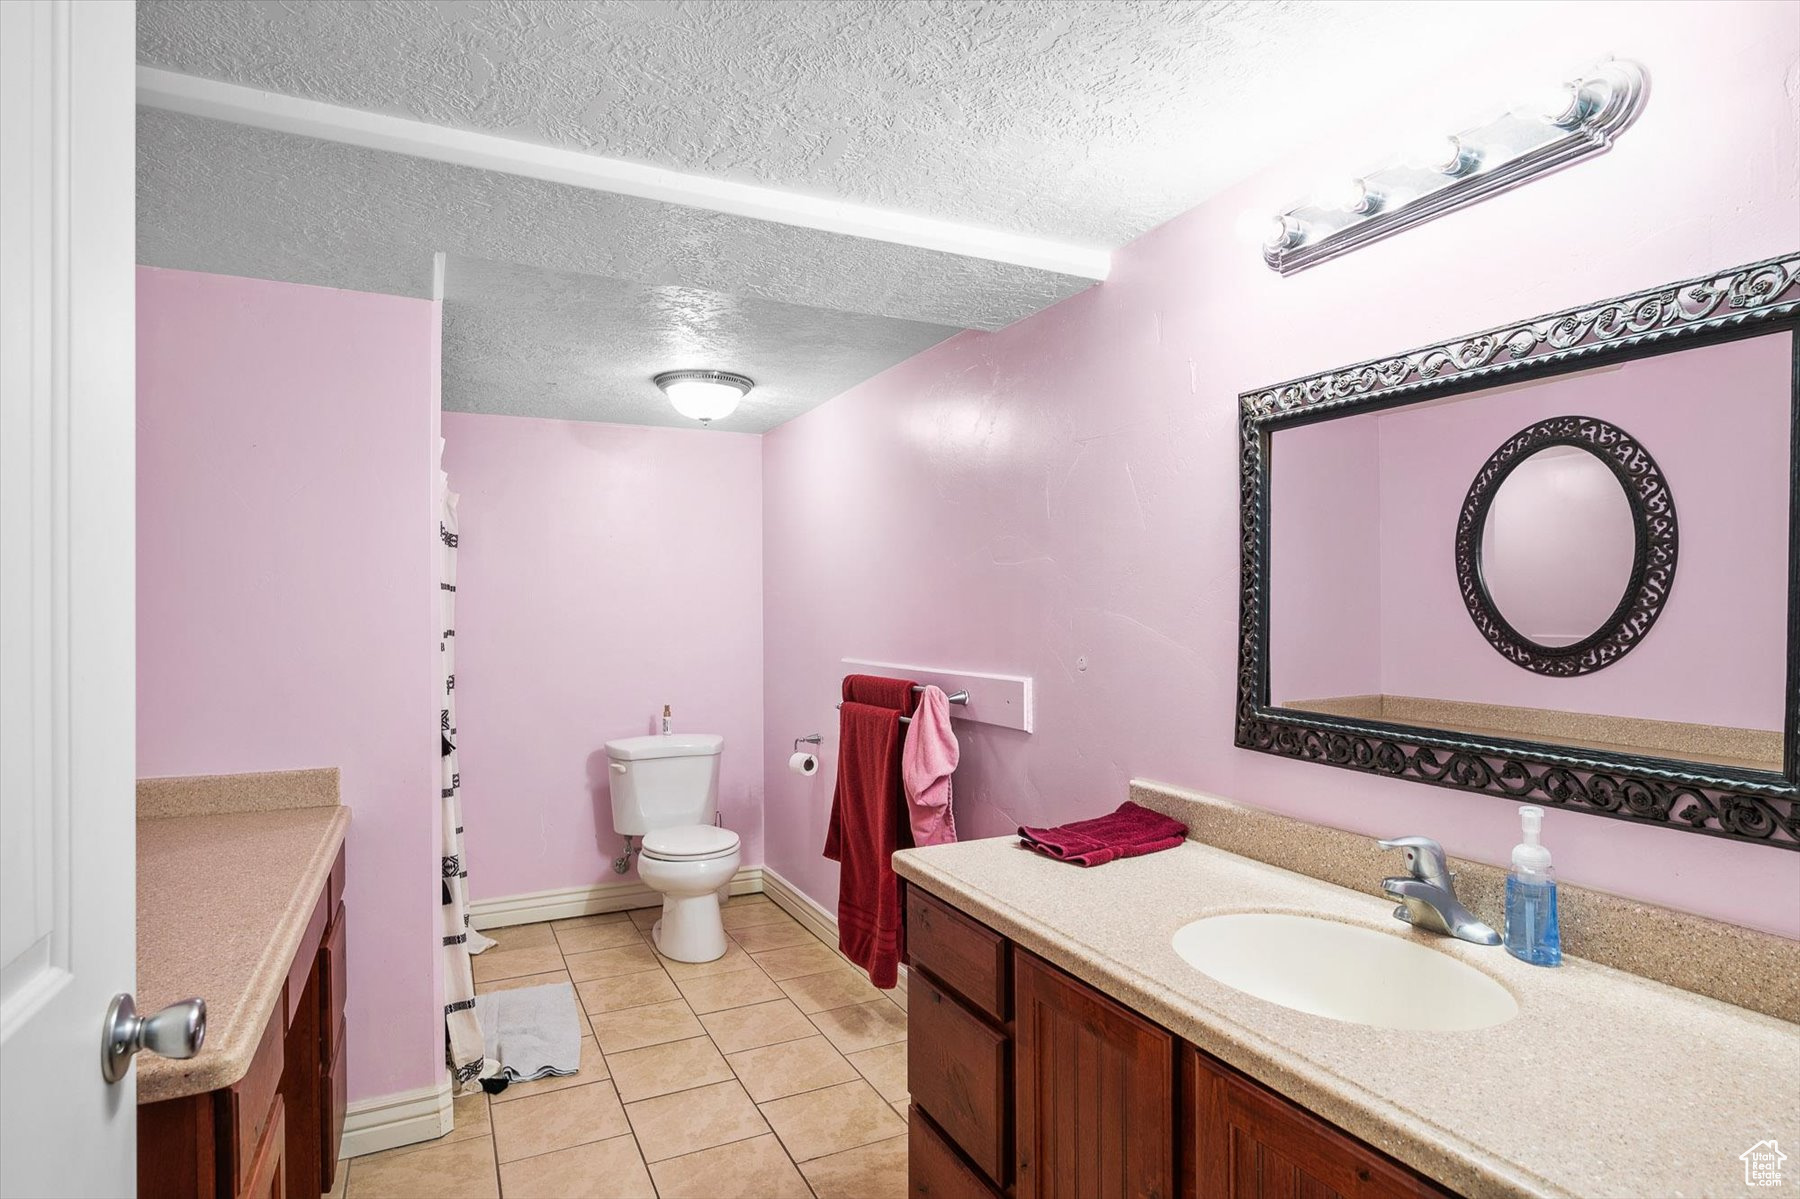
x: 690, y: 864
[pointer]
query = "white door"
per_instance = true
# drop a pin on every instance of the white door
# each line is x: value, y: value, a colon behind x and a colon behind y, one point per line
x: 68, y: 905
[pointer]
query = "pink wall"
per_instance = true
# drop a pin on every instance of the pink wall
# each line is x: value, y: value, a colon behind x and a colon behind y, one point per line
x: 1325, y: 572
x: 286, y: 594
x: 603, y: 571
x: 1065, y: 490
x: 1728, y: 473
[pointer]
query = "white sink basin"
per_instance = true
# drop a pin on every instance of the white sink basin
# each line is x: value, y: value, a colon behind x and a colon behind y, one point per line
x: 1344, y: 972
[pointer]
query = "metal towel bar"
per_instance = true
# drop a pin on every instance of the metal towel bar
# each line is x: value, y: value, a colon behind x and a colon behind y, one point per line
x: 960, y: 697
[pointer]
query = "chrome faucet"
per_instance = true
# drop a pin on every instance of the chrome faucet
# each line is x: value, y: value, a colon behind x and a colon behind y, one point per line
x: 1427, y: 894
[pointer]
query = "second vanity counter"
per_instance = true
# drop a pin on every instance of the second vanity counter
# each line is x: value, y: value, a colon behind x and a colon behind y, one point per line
x: 1604, y: 1083
x: 223, y: 903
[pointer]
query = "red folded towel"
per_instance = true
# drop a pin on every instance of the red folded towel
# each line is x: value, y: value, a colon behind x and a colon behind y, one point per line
x: 1126, y: 833
x: 869, y: 822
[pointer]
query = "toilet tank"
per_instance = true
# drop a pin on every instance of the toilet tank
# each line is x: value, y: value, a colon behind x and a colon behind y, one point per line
x: 659, y: 782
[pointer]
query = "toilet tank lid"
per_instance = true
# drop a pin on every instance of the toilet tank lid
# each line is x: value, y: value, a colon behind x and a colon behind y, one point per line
x: 675, y: 745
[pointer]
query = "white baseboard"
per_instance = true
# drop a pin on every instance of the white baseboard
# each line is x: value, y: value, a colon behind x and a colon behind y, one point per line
x: 815, y: 919
x: 567, y: 902
x: 390, y: 1121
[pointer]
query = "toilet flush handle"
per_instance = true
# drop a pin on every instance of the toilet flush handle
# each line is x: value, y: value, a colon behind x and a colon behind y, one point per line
x: 618, y: 767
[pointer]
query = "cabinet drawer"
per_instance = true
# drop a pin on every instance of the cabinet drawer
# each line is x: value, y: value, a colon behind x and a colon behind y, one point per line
x: 933, y: 1168
x: 267, y: 1176
x: 959, y: 953
x: 254, y: 1101
x: 332, y: 983
x: 332, y: 1102
x: 956, y: 1068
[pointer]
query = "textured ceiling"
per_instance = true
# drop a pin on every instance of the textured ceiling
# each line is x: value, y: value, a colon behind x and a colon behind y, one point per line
x: 1085, y: 120
x: 237, y: 200
x: 1090, y: 120
x: 527, y: 342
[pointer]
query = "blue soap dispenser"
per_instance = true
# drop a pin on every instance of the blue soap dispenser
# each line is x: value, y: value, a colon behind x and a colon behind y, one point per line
x: 1532, y: 933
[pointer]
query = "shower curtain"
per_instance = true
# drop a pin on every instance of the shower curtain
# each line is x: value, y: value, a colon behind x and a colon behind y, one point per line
x: 462, y: 1031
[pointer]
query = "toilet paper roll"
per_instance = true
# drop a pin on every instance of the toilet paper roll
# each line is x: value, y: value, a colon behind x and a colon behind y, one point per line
x: 804, y: 764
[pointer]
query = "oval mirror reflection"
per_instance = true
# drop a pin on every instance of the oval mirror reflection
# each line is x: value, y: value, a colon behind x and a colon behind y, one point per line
x: 1557, y: 546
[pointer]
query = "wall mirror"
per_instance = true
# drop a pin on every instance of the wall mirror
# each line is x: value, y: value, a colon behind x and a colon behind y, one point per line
x: 1552, y: 546
x: 1554, y: 561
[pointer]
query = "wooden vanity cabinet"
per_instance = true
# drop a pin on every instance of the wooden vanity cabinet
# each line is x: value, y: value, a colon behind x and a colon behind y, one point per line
x: 1027, y: 1082
x: 275, y: 1132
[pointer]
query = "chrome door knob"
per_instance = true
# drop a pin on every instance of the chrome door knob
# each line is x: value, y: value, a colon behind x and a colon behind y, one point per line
x: 177, y: 1031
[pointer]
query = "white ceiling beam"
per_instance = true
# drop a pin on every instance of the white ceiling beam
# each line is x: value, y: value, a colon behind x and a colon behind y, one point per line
x: 157, y: 88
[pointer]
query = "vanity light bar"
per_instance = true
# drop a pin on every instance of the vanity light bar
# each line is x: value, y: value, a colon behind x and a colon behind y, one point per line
x: 1564, y: 124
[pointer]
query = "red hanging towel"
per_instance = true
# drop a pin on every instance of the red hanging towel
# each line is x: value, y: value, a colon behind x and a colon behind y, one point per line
x: 868, y: 823
x: 881, y: 692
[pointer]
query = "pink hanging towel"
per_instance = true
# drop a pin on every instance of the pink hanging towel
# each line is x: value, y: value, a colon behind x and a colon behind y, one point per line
x: 926, y: 764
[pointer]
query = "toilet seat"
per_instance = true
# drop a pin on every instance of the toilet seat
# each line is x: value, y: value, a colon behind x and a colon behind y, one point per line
x: 689, y: 843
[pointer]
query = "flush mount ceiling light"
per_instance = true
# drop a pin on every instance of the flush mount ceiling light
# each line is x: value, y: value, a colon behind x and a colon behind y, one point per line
x: 705, y: 396
x: 1561, y: 124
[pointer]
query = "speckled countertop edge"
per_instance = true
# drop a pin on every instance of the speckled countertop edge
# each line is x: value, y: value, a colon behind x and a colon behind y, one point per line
x: 173, y: 952
x: 1381, y: 1119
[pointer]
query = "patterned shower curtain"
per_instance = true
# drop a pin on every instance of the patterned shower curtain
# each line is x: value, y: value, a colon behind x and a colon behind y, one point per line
x: 462, y: 1032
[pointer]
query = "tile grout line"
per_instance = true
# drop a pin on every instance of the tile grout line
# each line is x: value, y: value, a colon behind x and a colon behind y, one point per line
x: 588, y: 1018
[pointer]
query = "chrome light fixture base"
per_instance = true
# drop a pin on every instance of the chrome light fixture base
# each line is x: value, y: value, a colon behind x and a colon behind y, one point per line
x: 1494, y: 157
x: 703, y: 395
x: 730, y: 378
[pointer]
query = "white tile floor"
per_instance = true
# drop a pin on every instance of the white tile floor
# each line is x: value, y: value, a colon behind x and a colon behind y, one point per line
x: 775, y: 1071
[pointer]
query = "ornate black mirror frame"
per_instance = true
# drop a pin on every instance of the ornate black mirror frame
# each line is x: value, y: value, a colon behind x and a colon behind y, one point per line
x: 1653, y: 555
x: 1758, y: 806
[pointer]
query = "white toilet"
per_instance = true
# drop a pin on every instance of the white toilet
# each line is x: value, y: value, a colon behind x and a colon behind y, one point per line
x: 666, y: 790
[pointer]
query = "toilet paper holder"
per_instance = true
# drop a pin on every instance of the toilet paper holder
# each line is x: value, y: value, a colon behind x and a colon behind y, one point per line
x: 809, y: 739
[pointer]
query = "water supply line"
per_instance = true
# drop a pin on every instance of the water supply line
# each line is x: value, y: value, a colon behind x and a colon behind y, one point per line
x: 622, y: 863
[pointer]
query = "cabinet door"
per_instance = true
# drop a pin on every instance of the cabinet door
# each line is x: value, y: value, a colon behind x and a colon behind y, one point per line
x: 1249, y: 1143
x: 1095, y: 1092
x: 300, y: 1090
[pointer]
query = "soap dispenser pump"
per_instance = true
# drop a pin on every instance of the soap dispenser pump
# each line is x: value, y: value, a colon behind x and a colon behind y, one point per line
x: 1532, y: 931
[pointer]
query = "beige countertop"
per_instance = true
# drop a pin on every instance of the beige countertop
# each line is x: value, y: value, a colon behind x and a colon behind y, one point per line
x: 1604, y: 1084
x: 223, y: 901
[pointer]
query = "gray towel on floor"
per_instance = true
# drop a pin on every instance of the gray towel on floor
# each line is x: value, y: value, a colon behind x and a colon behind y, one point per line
x: 531, y: 1032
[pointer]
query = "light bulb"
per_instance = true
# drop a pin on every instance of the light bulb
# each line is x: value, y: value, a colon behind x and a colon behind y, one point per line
x: 1281, y: 232
x: 704, y: 396
x: 1562, y: 105
x: 1354, y: 196
x: 1441, y: 153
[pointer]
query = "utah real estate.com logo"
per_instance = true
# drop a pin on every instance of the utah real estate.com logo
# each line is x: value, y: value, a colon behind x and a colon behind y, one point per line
x: 1762, y: 1164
